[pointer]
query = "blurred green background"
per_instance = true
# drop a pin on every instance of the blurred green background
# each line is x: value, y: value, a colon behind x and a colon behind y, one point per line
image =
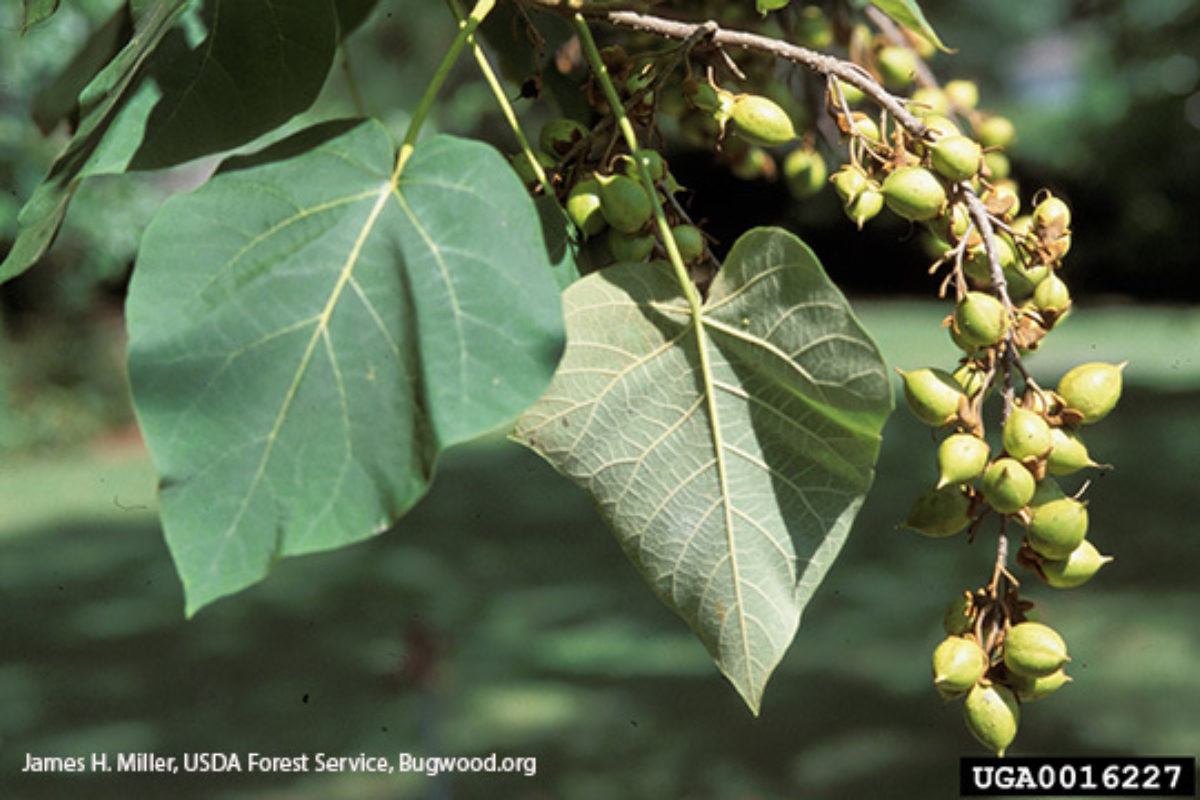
x: 500, y: 616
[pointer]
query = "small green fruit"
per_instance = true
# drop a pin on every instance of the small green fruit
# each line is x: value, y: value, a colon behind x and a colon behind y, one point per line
x: 627, y: 247
x: 654, y: 163
x: 805, y: 172
x: 624, y: 202
x: 962, y: 94
x: 930, y: 100
x: 1030, y: 689
x: 897, y: 66
x: 978, y: 267
x: 943, y: 125
x: 1052, y: 294
x: 961, y: 458
x: 998, y: 165
x: 914, y: 193
x: 1026, y: 434
x: 932, y: 394
x: 813, y: 28
x: 1051, y: 217
x: 992, y: 716
x: 1034, y: 650
x: 1069, y: 455
x: 939, y: 512
x: 558, y: 136
x: 866, y: 127
x: 959, y: 617
x: 1077, y: 568
x: 761, y: 121
x: 958, y: 664
x: 1092, y: 389
x: 970, y: 377
x: 583, y: 207
x: 701, y: 95
x: 956, y: 158
x: 853, y: 94
x: 980, y: 319
x: 690, y: 241
x: 865, y: 207
x: 1007, y: 485
x: 850, y: 182
x: 996, y: 131
x: 1057, y: 527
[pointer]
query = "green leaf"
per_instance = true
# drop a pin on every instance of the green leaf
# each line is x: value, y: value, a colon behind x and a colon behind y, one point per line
x: 59, y: 99
x: 770, y: 5
x: 909, y: 14
x: 259, y: 62
x: 308, y: 330
x: 729, y: 476
x: 38, y: 11
x: 107, y: 94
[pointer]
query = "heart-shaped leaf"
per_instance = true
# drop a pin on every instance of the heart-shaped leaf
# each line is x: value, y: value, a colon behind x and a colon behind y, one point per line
x: 729, y: 451
x: 312, y: 326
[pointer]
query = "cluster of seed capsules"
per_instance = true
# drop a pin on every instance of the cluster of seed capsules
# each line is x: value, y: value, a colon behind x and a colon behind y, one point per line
x: 1008, y: 297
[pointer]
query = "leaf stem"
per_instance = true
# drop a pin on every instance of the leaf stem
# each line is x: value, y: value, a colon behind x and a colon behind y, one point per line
x: 510, y: 114
x: 465, y: 29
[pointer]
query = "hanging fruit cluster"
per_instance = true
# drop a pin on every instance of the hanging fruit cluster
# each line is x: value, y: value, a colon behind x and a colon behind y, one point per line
x: 928, y: 154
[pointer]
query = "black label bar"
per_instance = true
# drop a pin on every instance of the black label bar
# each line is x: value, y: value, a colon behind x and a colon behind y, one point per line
x: 1132, y: 776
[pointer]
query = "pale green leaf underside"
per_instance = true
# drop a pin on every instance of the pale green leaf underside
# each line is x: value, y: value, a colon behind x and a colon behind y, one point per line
x: 306, y: 334
x: 800, y: 394
x: 909, y: 14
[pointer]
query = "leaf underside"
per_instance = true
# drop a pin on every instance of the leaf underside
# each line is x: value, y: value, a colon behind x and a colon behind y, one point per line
x: 307, y: 332
x: 732, y: 485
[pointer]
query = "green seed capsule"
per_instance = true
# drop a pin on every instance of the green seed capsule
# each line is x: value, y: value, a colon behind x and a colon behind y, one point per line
x: 1092, y: 389
x: 996, y: 131
x: 1007, y: 485
x: 1057, y: 527
x: 761, y: 121
x: 583, y: 207
x: 558, y: 136
x: 654, y: 163
x: 690, y: 242
x: 627, y: 247
x: 805, y: 172
x: 914, y: 193
x: 959, y: 617
x: 1034, y: 650
x: 897, y: 66
x: 961, y: 458
x: 929, y: 100
x: 980, y: 319
x: 1069, y: 454
x: 624, y: 202
x: 849, y: 182
x: 1026, y: 434
x: 939, y: 512
x: 958, y: 664
x: 962, y: 94
x: 992, y: 716
x: 932, y: 394
x: 1077, y: 568
x: 956, y: 158
x: 1052, y: 294
x: 1051, y: 217
x: 1030, y: 689
x: 865, y: 207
